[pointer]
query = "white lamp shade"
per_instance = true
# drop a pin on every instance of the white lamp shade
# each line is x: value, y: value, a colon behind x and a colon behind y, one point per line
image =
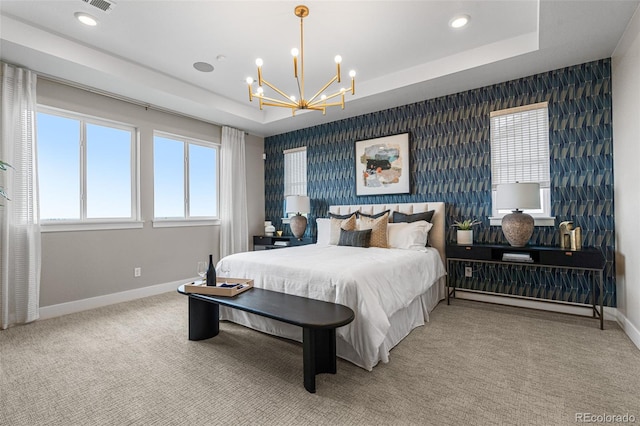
x: 518, y: 196
x: 298, y: 204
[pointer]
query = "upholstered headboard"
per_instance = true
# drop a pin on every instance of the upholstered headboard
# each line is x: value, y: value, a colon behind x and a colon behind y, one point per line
x: 437, y: 233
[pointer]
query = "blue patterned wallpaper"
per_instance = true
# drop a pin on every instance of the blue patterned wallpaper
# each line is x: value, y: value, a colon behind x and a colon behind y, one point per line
x: 450, y: 162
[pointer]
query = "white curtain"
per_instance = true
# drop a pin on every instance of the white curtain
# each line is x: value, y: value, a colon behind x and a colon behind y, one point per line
x: 234, y: 226
x: 20, y: 256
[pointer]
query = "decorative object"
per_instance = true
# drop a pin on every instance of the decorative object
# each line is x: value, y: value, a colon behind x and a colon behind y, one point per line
x: 279, y: 233
x: 319, y: 100
x: 298, y: 204
x: 211, y: 272
x: 464, y: 235
x: 517, y: 226
x: 570, y: 237
x: 382, y: 165
x: 269, y: 229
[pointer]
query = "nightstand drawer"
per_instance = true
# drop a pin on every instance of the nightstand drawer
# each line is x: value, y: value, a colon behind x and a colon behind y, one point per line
x: 261, y: 240
x: 585, y: 258
x: 469, y: 252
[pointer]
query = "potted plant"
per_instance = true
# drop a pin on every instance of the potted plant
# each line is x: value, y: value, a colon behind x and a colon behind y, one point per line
x: 3, y: 167
x: 464, y: 235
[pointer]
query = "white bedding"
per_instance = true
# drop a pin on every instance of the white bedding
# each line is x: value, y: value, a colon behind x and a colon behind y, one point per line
x: 376, y: 283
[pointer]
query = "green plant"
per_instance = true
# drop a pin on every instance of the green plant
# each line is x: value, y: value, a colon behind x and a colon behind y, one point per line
x: 4, y: 166
x: 466, y: 225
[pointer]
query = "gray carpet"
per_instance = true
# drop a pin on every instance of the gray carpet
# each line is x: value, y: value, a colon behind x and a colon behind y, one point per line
x: 474, y: 363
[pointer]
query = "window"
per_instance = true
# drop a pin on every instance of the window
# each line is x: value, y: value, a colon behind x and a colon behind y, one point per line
x: 520, y: 153
x: 295, y: 173
x: 185, y: 178
x: 87, y: 169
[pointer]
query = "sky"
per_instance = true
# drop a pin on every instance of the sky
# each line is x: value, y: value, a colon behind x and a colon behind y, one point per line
x: 109, y: 156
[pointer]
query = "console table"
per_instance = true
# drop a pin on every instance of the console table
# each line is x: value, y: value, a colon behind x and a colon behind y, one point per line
x: 587, y: 259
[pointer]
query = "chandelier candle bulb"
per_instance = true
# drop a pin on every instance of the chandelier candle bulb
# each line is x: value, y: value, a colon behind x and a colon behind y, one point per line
x: 352, y: 74
x: 294, y: 52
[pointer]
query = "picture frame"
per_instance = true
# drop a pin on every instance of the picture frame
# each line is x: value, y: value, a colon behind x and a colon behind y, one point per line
x: 382, y: 165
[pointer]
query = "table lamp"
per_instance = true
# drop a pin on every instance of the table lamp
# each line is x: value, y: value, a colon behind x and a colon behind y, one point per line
x: 298, y: 204
x: 517, y: 227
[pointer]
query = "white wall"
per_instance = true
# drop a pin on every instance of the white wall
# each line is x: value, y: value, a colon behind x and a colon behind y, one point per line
x: 626, y: 167
x: 80, y: 265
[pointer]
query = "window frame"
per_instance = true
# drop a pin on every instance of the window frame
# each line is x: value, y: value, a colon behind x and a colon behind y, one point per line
x: 165, y: 222
x: 84, y: 223
x: 542, y: 216
x: 286, y: 215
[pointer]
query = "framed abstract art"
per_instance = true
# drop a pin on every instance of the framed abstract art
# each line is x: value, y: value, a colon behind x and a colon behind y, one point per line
x: 382, y: 165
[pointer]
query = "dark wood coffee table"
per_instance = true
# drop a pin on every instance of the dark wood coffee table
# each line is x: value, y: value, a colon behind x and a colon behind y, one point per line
x: 317, y: 318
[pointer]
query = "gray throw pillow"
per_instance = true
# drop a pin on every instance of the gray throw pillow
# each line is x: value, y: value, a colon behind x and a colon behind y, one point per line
x: 355, y: 238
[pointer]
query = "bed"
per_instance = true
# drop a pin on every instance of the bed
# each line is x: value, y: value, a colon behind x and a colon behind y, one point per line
x: 391, y: 290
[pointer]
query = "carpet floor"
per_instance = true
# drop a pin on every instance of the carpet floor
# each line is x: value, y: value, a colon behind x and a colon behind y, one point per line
x: 473, y: 363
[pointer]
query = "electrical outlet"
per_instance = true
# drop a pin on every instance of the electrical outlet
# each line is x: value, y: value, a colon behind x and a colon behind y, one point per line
x: 468, y: 271
x: 137, y: 272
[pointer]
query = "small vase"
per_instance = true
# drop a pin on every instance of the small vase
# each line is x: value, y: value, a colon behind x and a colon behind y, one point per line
x: 465, y: 236
x: 269, y: 229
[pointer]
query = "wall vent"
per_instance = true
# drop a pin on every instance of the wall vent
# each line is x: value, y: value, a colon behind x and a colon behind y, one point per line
x: 103, y: 5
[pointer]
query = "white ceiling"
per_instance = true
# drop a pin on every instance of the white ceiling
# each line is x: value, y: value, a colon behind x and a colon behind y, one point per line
x: 402, y: 51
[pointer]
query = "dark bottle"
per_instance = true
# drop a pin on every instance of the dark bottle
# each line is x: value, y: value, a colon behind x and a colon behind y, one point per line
x: 211, y: 272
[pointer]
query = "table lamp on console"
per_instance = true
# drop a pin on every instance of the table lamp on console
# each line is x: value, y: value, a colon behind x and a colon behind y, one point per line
x: 298, y: 204
x: 517, y: 227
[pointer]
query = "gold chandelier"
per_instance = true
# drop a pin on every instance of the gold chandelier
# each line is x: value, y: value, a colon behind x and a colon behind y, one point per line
x: 319, y: 100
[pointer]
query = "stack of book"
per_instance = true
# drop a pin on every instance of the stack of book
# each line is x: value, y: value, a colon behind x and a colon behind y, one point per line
x: 517, y: 257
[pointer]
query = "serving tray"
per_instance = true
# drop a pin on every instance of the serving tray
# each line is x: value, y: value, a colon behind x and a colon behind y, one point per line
x: 241, y: 285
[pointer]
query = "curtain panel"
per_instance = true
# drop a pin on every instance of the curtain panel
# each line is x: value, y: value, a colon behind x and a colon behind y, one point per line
x: 20, y: 253
x: 234, y: 225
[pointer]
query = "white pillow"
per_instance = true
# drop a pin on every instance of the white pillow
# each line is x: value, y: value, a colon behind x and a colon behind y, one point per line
x: 408, y: 236
x: 324, y: 231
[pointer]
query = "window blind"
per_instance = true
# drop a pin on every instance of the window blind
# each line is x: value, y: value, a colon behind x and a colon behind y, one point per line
x: 520, y: 145
x: 295, y: 171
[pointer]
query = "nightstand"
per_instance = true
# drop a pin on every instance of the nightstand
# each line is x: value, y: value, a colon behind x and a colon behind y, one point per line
x: 263, y: 242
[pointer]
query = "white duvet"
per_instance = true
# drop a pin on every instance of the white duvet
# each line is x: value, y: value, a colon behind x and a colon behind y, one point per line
x: 374, y: 282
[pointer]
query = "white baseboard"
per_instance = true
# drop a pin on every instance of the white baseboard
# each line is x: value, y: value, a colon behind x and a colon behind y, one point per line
x: 609, y: 313
x: 629, y: 329
x: 52, y: 311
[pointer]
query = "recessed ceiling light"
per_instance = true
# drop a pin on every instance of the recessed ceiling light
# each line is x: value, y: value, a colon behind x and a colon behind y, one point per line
x: 86, y: 19
x: 459, y: 21
x: 203, y: 66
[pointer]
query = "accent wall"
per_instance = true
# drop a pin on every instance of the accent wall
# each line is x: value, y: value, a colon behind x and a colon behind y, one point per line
x: 449, y: 144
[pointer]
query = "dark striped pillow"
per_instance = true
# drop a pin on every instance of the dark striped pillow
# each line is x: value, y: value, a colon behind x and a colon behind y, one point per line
x: 373, y: 216
x: 401, y: 217
x: 355, y: 238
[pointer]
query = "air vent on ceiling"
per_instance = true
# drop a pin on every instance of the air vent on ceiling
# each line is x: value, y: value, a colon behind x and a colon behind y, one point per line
x: 104, y: 5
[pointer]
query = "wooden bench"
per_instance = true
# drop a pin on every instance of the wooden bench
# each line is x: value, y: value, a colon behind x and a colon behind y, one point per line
x: 317, y: 318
